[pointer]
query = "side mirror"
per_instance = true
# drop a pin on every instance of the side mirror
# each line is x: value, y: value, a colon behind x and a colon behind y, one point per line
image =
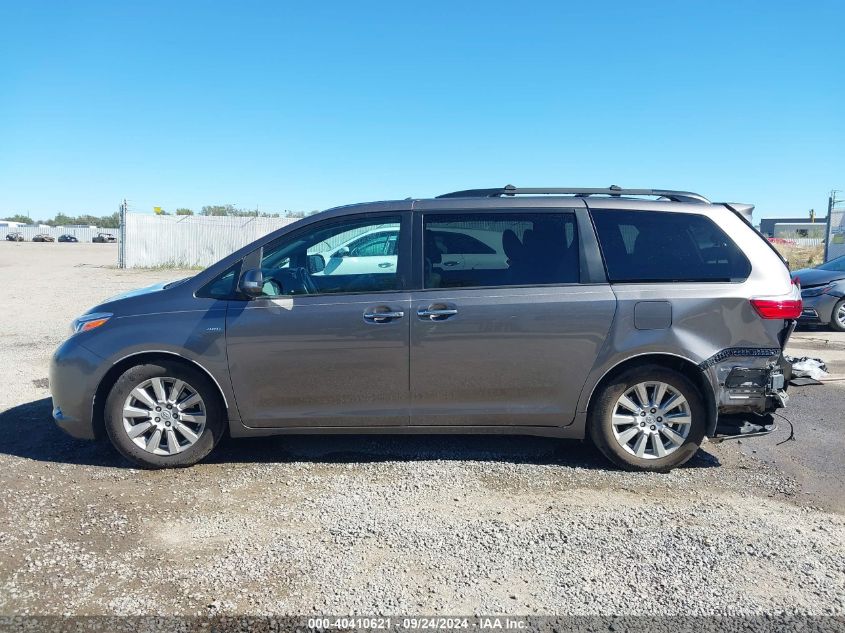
x: 316, y: 264
x: 343, y: 251
x: 252, y: 283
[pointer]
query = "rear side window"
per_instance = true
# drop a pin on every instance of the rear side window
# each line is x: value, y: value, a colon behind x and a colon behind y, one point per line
x: 655, y: 246
x: 500, y: 249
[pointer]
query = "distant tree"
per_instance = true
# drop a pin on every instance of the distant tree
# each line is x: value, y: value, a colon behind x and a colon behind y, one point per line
x: 19, y: 218
x: 109, y: 222
x: 61, y: 220
x: 218, y: 209
x: 184, y: 212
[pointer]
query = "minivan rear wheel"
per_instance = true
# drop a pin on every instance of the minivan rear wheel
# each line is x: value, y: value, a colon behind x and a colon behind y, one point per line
x: 648, y: 418
x: 164, y: 415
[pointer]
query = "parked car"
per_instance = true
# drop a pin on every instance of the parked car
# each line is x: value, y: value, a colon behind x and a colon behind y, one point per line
x: 469, y: 248
x: 823, y: 292
x: 645, y: 325
x: 14, y: 237
x: 67, y: 238
x: 43, y: 237
x: 103, y: 238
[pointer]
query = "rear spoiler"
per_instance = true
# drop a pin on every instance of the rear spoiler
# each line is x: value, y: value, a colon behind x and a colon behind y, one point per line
x: 742, y: 209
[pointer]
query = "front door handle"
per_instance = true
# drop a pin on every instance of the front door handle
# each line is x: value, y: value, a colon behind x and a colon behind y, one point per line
x: 385, y: 265
x: 435, y: 313
x: 382, y: 314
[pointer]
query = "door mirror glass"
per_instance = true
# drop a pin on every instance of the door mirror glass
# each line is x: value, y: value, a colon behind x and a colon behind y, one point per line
x: 316, y: 264
x: 252, y: 283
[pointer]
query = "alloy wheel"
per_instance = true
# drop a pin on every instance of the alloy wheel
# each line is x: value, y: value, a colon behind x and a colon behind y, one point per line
x: 651, y: 420
x: 164, y: 416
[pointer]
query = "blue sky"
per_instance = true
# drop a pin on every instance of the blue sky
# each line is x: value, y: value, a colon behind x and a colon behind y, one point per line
x: 309, y: 105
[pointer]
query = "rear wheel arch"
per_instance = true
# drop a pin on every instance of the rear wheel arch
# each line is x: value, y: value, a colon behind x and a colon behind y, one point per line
x: 680, y: 364
x: 140, y: 358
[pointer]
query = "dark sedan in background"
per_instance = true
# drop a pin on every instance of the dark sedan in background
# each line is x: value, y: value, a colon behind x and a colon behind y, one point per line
x: 823, y: 292
x: 14, y: 237
x: 68, y: 238
x: 43, y: 237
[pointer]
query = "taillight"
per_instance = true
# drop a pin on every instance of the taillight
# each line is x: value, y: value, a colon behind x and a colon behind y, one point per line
x: 778, y: 308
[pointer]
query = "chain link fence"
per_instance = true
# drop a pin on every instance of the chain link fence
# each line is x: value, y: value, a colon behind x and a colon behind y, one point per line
x: 835, y: 229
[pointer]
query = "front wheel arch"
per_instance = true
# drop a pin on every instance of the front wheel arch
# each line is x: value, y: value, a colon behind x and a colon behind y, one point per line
x: 834, y: 323
x: 140, y: 358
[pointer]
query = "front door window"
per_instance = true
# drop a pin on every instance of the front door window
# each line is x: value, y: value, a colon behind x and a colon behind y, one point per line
x: 350, y: 256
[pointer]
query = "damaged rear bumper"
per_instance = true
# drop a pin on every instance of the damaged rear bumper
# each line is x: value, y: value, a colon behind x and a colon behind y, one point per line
x: 735, y: 427
x: 749, y: 384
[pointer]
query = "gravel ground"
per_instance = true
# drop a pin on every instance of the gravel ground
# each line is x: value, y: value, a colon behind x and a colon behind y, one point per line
x: 343, y: 525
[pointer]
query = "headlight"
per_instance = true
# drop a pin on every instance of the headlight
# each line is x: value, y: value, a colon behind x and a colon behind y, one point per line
x: 815, y: 292
x: 89, y: 322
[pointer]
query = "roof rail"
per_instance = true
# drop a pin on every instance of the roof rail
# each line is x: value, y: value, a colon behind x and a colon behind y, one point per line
x: 613, y: 190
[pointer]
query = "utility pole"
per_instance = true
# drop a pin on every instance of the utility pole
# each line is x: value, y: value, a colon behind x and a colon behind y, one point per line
x: 121, y: 253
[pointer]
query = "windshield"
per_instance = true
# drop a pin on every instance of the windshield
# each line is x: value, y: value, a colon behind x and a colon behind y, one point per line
x: 837, y: 264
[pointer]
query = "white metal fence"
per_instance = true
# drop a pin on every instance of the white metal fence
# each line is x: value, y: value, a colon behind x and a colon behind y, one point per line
x: 83, y: 234
x: 188, y: 241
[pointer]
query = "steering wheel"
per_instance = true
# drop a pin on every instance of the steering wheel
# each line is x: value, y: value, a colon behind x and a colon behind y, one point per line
x: 305, y: 281
x: 291, y: 281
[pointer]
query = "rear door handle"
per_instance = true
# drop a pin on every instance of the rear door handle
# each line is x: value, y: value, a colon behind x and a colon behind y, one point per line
x: 385, y: 265
x: 433, y: 313
x: 382, y: 315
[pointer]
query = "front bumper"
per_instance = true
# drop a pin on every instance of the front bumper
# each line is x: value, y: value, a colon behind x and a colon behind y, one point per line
x: 818, y: 310
x: 74, y: 376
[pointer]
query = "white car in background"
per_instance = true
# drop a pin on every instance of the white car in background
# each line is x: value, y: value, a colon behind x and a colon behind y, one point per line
x: 372, y: 252
x: 375, y: 251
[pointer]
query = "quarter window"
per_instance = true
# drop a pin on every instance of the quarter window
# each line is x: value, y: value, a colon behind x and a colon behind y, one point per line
x: 655, y: 246
x: 223, y: 286
x: 500, y: 249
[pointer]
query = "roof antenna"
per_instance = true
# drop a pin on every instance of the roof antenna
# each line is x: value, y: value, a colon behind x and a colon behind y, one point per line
x: 615, y: 188
x: 509, y: 190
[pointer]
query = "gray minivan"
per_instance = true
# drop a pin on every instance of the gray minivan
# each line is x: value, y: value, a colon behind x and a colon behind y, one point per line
x: 645, y: 320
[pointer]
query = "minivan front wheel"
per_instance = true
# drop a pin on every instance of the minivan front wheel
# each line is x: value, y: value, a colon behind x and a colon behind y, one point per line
x: 162, y: 415
x: 648, y: 418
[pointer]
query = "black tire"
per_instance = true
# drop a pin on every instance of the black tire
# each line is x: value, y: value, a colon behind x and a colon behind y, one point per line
x: 215, y: 416
x: 834, y: 322
x: 601, y: 413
